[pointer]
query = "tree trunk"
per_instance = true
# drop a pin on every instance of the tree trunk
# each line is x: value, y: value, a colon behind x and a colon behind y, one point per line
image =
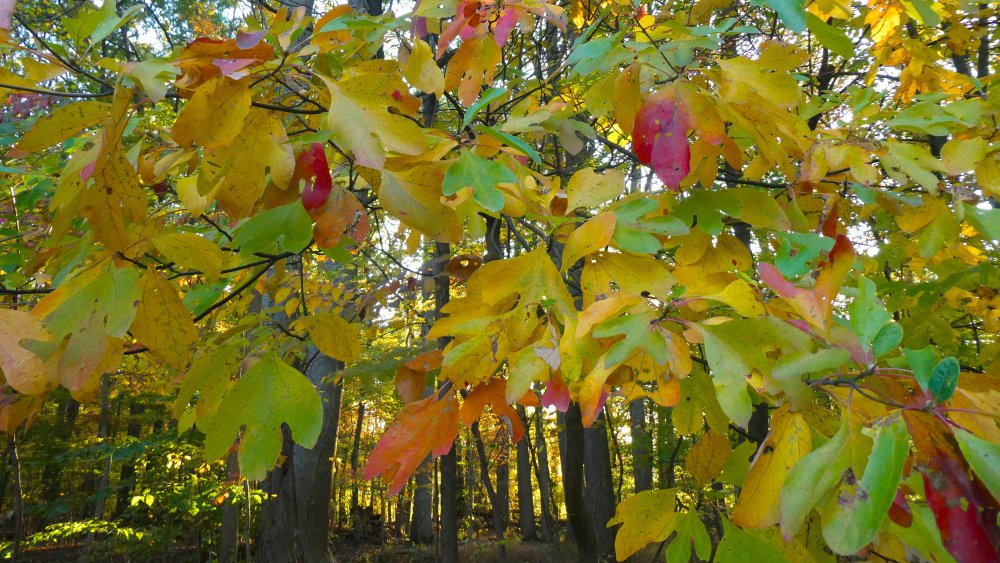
x: 599, y: 492
x: 355, y: 447
x: 544, y: 479
x: 642, y: 461
x: 572, y: 454
x: 127, y: 474
x: 229, y: 531
x: 421, y: 526
x: 499, y: 523
x: 525, y: 494
x: 295, y: 519
x: 102, y: 433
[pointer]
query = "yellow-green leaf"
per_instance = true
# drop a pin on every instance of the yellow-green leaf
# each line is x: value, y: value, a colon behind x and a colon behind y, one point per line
x: 587, y: 188
x: 590, y: 237
x: 162, y: 323
x: 191, y: 251
x: 333, y: 335
x: 61, y: 124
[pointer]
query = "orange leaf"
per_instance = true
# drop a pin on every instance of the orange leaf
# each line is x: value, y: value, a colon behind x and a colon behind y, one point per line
x: 204, y: 59
x: 425, y: 427
x: 494, y: 394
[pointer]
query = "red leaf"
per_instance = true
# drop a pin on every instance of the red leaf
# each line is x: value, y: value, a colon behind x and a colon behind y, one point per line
x: 312, y: 167
x: 659, y: 137
x: 556, y: 394
x: 428, y: 426
x: 964, y: 510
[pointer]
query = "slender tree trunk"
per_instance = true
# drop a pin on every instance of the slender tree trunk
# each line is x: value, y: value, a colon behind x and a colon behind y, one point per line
x: 572, y: 454
x: 599, y: 493
x: 295, y: 519
x: 51, y: 476
x: 355, y: 448
x: 544, y: 479
x: 503, y: 480
x: 525, y: 494
x: 102, y: 433
x: 15, y: 467
x: 499, y: 523
x: 127, y: 474
x: 642, y: 466
x: 229, y: 531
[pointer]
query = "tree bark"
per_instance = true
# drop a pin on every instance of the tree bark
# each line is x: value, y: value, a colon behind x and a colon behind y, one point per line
x: 355, y: 450
x: 599, y: 492
x: 572, y: 453
x: 295, y: 519
x: 544, y: 478
x: 421, y: 526
x: 499, y: 524
x: 127, y: 474
x: 229, y: 531
x: 642, y: 462
x: 525, y: 494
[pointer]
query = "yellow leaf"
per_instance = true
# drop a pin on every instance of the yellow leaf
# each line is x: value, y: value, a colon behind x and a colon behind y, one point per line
x: 23, y: 369
x: 912, y: 219
x: 602, y: 310
x: 962, y: 155
x: 592, y: 236
x: 421, y: 70
x: 789, y: 440
x: 591, y: 390
x: 237, y: 171
x: 414, y: 196
x: 114, y: 200
x: 646, y: 517
x: 630, y: 272
x: 162, y: 323
x: 62, y: 123
x: 706, y: 459
x: 360, y: 120
x: 334, y: 336
x: 742, y: 297
x: 587, y: 188
x: 214, y: 115
x: 627, y: 97
x: 192, y: 251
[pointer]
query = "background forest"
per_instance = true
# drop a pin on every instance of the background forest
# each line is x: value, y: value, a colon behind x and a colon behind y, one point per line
x: 285, y: 280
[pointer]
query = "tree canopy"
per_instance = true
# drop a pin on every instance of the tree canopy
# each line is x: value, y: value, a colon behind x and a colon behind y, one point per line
x: 777, y: 218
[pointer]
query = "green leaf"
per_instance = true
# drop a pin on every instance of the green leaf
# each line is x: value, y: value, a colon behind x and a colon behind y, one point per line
x: 513, y: 141
x: 868, y: 316
x: 483, y: 101
x: 287, y: 228
x: 853, y: 517
x: 738, y: 546
x: 983, y: 457
x: 482, y: 176
x: 791, y: 12
x: 830, y: 37
x: 921, y: 361
x: 640, y: 331
x: 690, y: 532
x: 269, y: 394
x: 635, y: 234
x: 944, y: 378
x: 811, y: 478
x: 887, y: 339
x: 798, y: 250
